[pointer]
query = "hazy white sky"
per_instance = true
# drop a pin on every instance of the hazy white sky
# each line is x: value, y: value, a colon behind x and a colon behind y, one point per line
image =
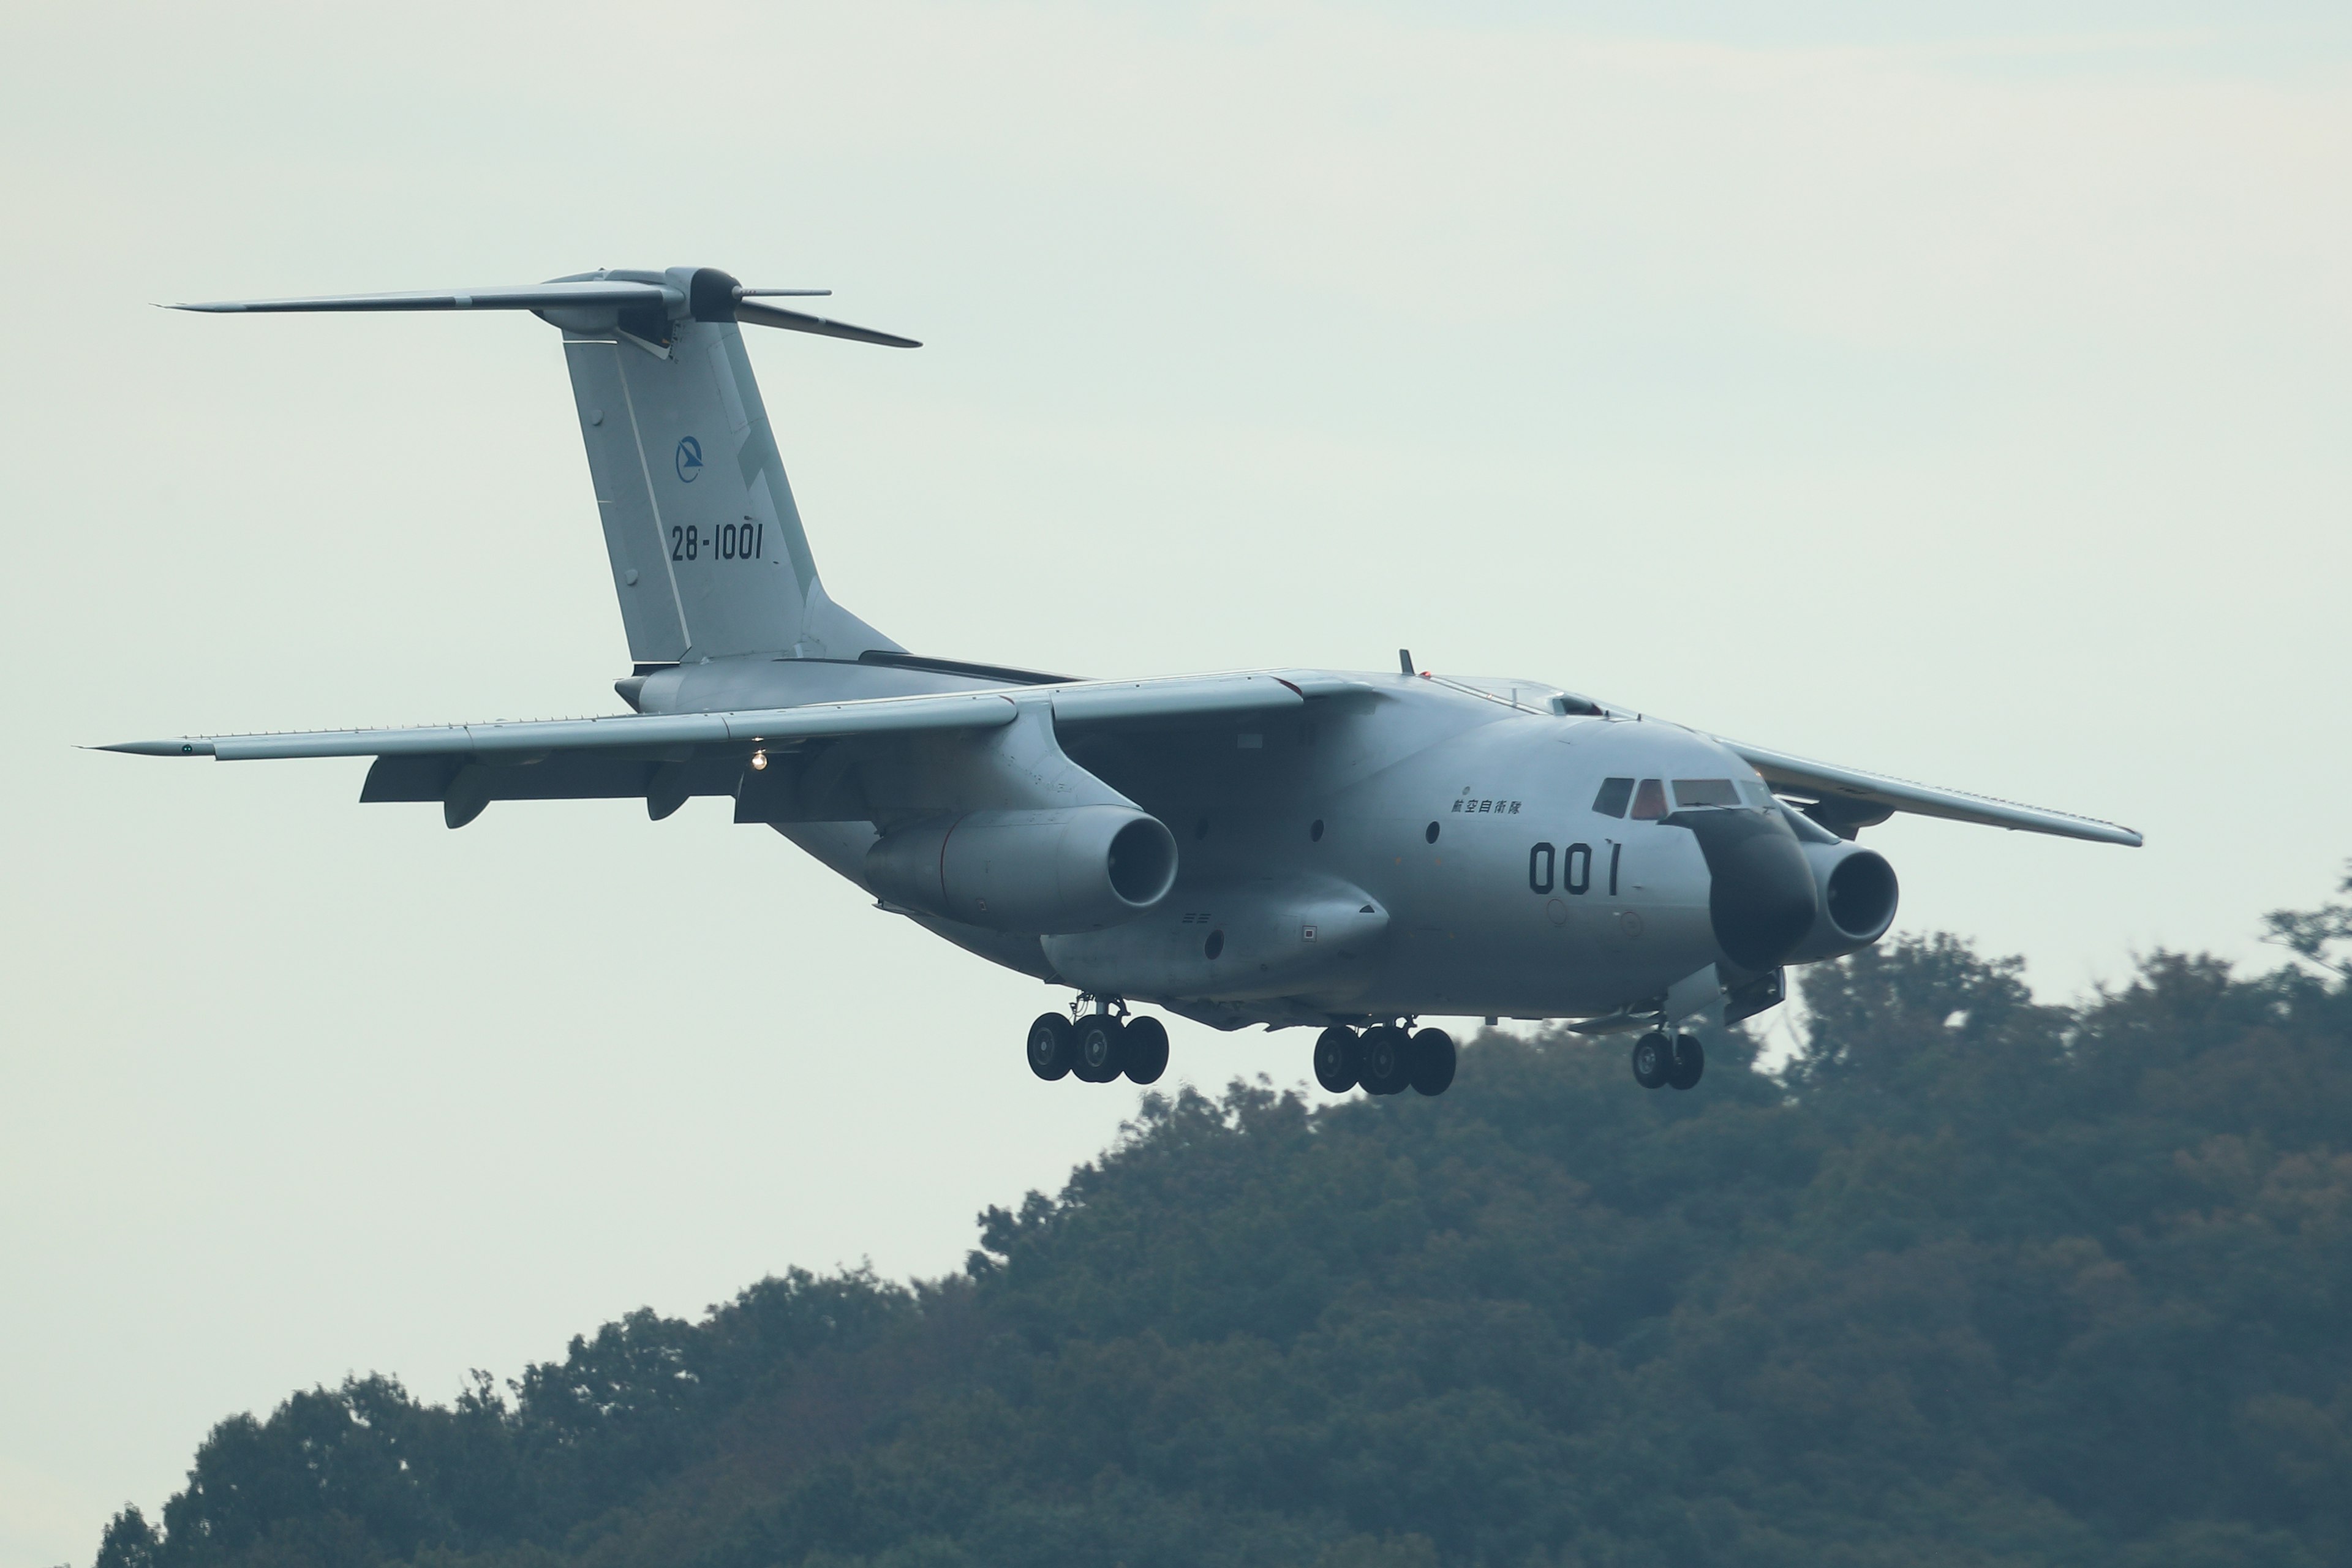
x: 1962, y: 392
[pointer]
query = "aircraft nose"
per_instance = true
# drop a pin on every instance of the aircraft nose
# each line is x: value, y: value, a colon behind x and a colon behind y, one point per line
x: 1761, y: 892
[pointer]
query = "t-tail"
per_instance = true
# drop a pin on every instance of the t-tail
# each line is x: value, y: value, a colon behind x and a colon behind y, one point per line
x: 708, y: 553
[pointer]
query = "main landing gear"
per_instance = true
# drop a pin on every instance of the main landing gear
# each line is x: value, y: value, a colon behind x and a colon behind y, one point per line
x: 1098, y: 1048
x: 1664, y: 1061
x: 1384, y: 1059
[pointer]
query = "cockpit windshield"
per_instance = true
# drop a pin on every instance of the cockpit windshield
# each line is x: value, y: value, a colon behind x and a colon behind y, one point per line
x: 1648, y: 797
x: 1705, y: 792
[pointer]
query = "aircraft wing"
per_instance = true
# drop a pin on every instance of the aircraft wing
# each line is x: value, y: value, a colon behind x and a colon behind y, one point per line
x: 529, y: 739
x: 666, y: 758
x: 1847, y: 800
x: 1174, y: 699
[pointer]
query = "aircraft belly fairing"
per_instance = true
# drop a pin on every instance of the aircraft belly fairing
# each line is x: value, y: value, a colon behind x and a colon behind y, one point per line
x: 1315, y: 938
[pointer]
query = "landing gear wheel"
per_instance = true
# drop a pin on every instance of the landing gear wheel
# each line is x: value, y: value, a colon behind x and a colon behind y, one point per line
x: 1432, y: 1061
x: 1335, y: 1060
x: 1101, y: 1049
x: 1053, y: 1047
x: 1654, y: 1059
x: 1385, y: 1066
x: 1690, y: 1062
x: 1145, y: 1050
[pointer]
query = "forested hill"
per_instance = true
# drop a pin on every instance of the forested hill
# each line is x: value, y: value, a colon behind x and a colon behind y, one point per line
x: 1977, y: 1282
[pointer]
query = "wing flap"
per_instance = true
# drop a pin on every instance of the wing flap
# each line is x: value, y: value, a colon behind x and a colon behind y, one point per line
x: 1871, y: 797
x: 567, y: 775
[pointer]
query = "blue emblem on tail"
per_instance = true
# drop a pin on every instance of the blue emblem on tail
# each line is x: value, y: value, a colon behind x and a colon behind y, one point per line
x: 690, y: 460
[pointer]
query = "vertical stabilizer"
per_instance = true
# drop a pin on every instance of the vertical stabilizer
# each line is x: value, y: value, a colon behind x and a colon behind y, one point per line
x: 707, y: 551
x: 709, y: 557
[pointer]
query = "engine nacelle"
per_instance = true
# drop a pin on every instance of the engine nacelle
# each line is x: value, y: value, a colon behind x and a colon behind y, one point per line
x: 1077, y: 869
x: 1855, y: 897
x: 1760, y: 897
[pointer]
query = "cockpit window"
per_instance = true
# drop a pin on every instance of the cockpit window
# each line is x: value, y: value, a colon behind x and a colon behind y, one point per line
x: 1614, y: 793
x: 1705, y: 792
x: 1650, y: 801
x: 1756, y: 793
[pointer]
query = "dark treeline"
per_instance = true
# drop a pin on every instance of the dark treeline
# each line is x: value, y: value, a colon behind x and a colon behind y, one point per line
x: 1974, y: 1282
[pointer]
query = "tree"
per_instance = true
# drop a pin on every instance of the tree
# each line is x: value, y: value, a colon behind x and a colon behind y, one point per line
x: 130, y: 1541
x: 1980, y: 1282
x: 2310, y: 934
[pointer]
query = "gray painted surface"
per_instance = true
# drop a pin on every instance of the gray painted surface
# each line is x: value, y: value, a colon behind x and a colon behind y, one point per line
x: 1349, y: 845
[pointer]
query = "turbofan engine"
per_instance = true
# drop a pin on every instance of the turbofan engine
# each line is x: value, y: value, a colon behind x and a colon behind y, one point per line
x: 1782, y: 890
x: 1855, y: 899
x: 1074, y: 869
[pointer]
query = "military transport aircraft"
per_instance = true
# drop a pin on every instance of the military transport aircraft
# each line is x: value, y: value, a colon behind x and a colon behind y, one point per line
x: 1341, y: 850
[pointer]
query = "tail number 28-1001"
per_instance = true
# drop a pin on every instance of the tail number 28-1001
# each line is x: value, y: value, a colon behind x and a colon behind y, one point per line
x: 729, y: 542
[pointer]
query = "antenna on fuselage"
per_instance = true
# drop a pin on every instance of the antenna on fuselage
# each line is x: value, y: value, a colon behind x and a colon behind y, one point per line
x: 1404, y: 659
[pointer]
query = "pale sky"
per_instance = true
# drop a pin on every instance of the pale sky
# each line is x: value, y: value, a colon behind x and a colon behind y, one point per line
x: 1964, y: 396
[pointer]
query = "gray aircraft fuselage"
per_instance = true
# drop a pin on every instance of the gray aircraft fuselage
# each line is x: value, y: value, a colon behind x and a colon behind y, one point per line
x: 1302, y: 846
x: 1417, y: 848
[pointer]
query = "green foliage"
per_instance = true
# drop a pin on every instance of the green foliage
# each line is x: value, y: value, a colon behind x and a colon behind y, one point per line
x: 2314, y: 934
x: 1977, y: 1281
x: 130, y: 1541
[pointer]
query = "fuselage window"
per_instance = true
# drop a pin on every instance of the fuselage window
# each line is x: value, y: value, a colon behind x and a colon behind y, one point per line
x: 1614, y: 793
x: 1705, y: 792
x: 1650, y: 801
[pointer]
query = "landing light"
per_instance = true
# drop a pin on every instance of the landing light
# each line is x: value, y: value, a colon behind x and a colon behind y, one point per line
x: 759, y: 760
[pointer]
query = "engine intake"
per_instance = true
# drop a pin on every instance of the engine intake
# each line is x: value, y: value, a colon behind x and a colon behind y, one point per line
x: 1079, y: 869
x: 1857, y: 894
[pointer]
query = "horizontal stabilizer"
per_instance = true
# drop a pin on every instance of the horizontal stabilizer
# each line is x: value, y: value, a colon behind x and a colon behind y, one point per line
x: 796, y: 321
x: 630, y: 299
x: 520, y: 297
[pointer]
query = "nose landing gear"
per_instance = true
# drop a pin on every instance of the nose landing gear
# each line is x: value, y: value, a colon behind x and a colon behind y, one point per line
x: 1664, y: 1061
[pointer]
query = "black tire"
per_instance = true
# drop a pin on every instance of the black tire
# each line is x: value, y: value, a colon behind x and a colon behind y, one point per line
x: 1432, y: 1061
x: 1654, y: 1059
x: 1101, y: 1042
x: 1335, y: 1060
x: 1146, y: 1050
x: 1690, y: 1062
x: 1384, y: 1065
x: 1053, y: 1046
